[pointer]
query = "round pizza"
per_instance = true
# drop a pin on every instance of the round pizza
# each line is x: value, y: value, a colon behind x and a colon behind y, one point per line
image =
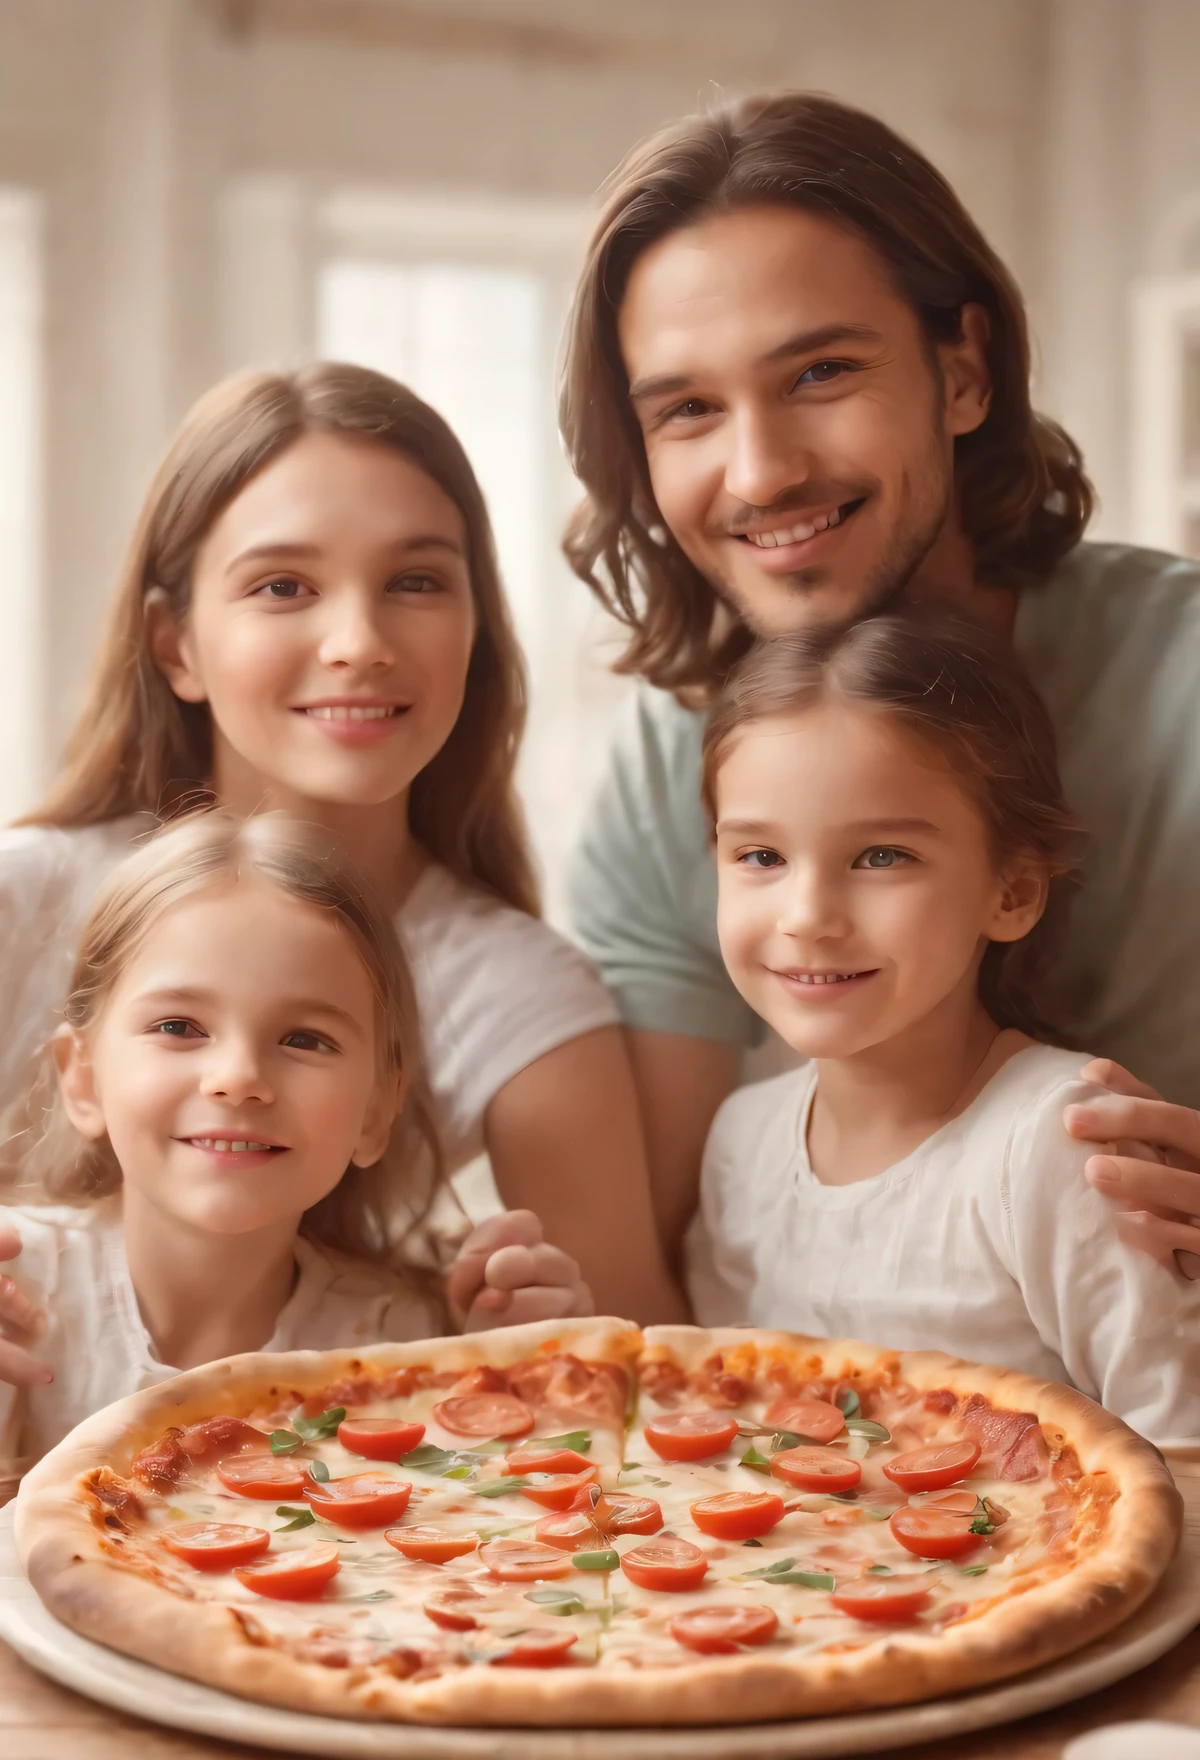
x: 581, y: 1523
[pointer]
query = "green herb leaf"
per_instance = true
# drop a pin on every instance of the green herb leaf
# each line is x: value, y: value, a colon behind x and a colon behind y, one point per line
x: 375, y: 1595
x: 321, y: 1428
x: 319, y: 1471
x: 868, y: 1428
x: 496, y: 1487
x: 463, y: 1472
x: 773, y: 1570
x: 285, y: 1442
x: 596, y: 1561
x: 973, y: 1570
x: 877, y: 1515
x: 301, y: 1518
x: 651, y: 1480
x: 758, y: 1463
x: 786, y: 1439
x: 752, y: 1543
x: 631, y: 1466
x: 981, y: 1525
x: 428, y: 1458
x: 556, y: 1601
x: 806, y: 1579
x: 579, y: 1440
x: 879, y: 1570
x: 849, y: 1405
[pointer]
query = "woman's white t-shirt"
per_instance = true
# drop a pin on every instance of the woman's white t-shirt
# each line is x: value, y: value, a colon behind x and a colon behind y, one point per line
x: 986, y: 1241
x: 496, y: 989
x: 73, y: 1267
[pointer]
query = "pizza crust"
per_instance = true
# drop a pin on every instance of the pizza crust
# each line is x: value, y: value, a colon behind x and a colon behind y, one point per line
x: 64, y: 1557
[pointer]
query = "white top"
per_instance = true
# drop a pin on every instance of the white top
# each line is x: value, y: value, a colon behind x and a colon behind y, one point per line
x: 497, y: 989
x: 73, y: 1266
x: 986, y: 1242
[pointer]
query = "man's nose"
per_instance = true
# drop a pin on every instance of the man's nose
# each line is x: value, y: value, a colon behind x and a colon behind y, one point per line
x: 766, y: 456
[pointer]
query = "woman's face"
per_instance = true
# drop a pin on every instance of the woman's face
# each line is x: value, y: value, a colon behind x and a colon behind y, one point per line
x: 330, y: 628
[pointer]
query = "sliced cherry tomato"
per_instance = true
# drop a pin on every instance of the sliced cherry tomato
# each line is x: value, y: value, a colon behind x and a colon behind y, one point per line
x: 928, y: 1469
x: 667, y: 1564
x: 963, y: 1503
x: 216, y: 1546
x: 691, y: 1436
x: 363, y: 1500
x: 537, y: 1647
x: 454, y: 1608
x: 292, y: 1576
x: 724, y: 1627
x: 523, y: 1561
x: 816, y: 1469
x: 934, y: 1532
x: 882, y: 1598
x: 587, y: 1527
x: 619, y: 1513
x: 560, y: 1490
x: 379, y: 1439
x: 534, y: 1457
x: 268, y: 1476
x: 738, y: 1515
x: 485, y: 1414
x: 814, y: 1418
x: 431, y: 1545
x: 570, y: 1532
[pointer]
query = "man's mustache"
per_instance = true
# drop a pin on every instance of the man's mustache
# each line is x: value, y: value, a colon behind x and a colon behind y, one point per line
x: 792, y: 506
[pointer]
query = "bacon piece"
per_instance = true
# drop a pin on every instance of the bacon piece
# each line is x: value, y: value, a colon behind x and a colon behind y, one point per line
x: 115, y: 1501
x: 481, y: 1379
x: 940, y: 1400
x: 717, y: 1386
x: 365, y: 1390
x: 664, y: 1381
x: 163, y: 1464
x: 571, y: 1388
x: 214, y: 1437
x: 402, y: 1661
x: 1012, y: 1442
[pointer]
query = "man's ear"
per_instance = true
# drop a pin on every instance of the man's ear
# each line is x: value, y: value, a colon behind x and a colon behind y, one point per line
x: 386, y: 1105
x: 1023, y: 895
x: 77, y: 1085
x: 171, y: 649
x: 966, y: 376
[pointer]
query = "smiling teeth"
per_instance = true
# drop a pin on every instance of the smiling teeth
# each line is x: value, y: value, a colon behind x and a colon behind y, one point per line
x: 224, y: 1147
x: 823, y: 977
x: 348, y: 713
x: 798, y: 534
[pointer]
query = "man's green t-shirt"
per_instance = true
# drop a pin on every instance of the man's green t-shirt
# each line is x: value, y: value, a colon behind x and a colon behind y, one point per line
x: 1112, y: 641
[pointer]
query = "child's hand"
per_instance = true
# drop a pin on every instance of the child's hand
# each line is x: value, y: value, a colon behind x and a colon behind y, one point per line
x: 506, y: 1273
x: 20, y: 1324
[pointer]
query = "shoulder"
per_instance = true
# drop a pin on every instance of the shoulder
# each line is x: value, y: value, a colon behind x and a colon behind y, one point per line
x: 1026, y: 1102
x: 759, y: 1122
x: 654, y: 760
x: 1104, y: 592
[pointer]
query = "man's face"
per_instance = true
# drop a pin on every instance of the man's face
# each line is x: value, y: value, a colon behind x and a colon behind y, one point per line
x: 799, y: 428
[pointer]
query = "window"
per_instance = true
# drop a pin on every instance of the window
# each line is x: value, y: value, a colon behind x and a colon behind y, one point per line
x: 20, y: 514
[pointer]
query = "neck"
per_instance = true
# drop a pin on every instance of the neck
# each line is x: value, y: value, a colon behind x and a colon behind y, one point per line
x: 204, y: 1296
x: 876, y: 1107
x: 377, y: 839
x: 947, y: 573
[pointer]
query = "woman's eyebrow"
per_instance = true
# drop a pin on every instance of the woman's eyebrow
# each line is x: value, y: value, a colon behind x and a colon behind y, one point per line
x: 280, y: 552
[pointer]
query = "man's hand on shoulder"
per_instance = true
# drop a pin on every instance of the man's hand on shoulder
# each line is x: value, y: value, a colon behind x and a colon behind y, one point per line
x: 1154, y: 1179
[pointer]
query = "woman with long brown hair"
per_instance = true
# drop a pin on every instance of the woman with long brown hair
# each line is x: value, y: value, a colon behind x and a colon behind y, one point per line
x: 311, y: 620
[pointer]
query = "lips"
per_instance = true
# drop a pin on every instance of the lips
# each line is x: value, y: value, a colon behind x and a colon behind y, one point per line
x: 820, y: 978
x: 354, y: 711
x: 803, y: 530
x: 234, y: 1145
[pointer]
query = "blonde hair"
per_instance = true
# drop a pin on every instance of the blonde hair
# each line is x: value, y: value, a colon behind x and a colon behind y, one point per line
x: 137, y: 748
x: 374, y: 1212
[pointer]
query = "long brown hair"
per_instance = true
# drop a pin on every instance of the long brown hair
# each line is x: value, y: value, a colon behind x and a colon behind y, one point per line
x: 962, y: 691
x: 1023, y: 497
x: 138, y: 748
x: 373, y: 1212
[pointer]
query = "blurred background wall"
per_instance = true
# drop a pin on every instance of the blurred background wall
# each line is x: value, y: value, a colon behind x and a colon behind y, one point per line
x: 191, y: 186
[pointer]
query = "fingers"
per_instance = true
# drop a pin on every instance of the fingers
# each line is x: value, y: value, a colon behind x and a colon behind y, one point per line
x: 1145, y: 1185
x: 543, y: 1302
x: 1174, y: 1244
x: 1175, y: 1130
x: 10, y: 1243
x: 1113, y: 1075
x: 19, y: 1369
x: 17, y: 1312
x: 519, y: 1228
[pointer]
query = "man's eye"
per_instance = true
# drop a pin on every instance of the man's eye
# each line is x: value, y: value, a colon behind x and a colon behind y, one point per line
x: 761, y: 858
x: 307, y: 1042
x: 822, y: 372
x: 883, y: 856
x: 175, y: 1029
x: 689, y: 410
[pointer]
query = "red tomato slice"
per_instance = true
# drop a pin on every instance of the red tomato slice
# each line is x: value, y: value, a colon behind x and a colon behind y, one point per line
x: 535, y: 1648
x: 932, y: 1532
x: 807, y: 1417
x: 882, y: 1598
x: 928, y: 1469
x: 379, y: 1439
x: 431, y: 1545
x: 485, y: 1414
x: 738, y: 1515
x: 724, y: 1627
x: 668, y: 1564
x: 620, y: 1514
x: 691, y: 1436
x: 267, y: 1476
x: 572, y: 1532
x: 816, y: 1469
x: 292, y: 1576
x: 364, y: 1500
x: 532, y: 1457
x: 451, y: 1609
x: 216, y: 1546
x: 559, y: 1490
x: 584, y: 1527
x: 523, y: 1561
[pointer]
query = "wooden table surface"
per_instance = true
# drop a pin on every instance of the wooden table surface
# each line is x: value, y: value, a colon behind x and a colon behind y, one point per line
x: 42, y: 1721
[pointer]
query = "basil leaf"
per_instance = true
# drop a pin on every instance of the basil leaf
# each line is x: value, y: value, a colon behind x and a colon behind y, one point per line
x: 879, y: 1570
x: 303, y: 1518
x: 631, y: 1466
x: 979, y: 1526
x: 428, y: 1458
x: 375, y: 1595
x: 595, y: 1561
x: 786, y: 1439
x: 806, y: 1579
x: 285, y: 1442
x: 651, y: 1480
x: 772, y: 1570
x: 877, y: 1515
x: 556, y: 1601
x: 757, y: 1543
x: 579, y: 1440
x: 868, y: 1428
x: 319, y: 1471
x: 463, y: 1472
x: 758, y: 1463
x: 321, y: 1428
x: 495, y: 1487
x: 973, y: 1570
x: 849, y: 1405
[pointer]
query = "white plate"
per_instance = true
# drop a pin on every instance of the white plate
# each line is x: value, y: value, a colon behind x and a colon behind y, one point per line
x: 142, y: 1691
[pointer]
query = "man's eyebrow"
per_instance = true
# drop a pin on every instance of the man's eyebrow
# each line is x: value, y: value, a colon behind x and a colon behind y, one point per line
x: 803, y: 342
x: 281, y: 552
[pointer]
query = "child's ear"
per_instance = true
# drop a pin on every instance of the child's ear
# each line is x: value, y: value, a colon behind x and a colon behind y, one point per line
x: 382, y: 1113
x: 76, y: 1083
x: 170, y: 648
x: 1024, y: 890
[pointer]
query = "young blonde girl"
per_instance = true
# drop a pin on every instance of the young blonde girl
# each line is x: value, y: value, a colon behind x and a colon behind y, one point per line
x: 231, y: 1146
x: 311, y: 619
x: 894, y: 856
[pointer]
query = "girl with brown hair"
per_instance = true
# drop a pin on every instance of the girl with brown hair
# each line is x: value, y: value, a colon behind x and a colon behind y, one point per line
x: 311, y: 619
x: 894, y: 856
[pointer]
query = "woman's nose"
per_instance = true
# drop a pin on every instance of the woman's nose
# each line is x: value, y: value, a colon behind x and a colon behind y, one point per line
x: 354, y: 635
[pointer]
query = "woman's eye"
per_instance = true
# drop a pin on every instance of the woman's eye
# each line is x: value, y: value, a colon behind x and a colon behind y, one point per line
x: 281, y: 588
x: 415, y: 583
x: 882, y: 857
x: 176, y: 1030
x: 307, y: 1042
x: 761, y: 858
x: 822, y: 372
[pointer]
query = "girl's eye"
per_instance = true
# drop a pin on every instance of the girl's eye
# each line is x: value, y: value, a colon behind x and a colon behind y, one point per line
x: 283, y: 587
x: 882, y: 857
x: 761, y: 858
x: 415, y: 583
x: 307, y: 1042
x: 822, y: 372
x: 176, y: 1030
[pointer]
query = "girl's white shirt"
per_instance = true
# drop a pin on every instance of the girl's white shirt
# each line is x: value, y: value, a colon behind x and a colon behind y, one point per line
x: 496, y: 989
x: 986, y: 1241
x: 73, y: 1266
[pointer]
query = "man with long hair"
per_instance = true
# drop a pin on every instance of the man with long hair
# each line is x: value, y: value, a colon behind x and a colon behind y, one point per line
x: 797, y: 390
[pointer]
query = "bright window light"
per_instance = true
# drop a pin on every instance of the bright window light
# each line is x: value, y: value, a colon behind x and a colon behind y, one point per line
x: 20, y: 509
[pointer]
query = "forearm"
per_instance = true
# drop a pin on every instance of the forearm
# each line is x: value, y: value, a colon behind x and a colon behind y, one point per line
x: 680, y: 1083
